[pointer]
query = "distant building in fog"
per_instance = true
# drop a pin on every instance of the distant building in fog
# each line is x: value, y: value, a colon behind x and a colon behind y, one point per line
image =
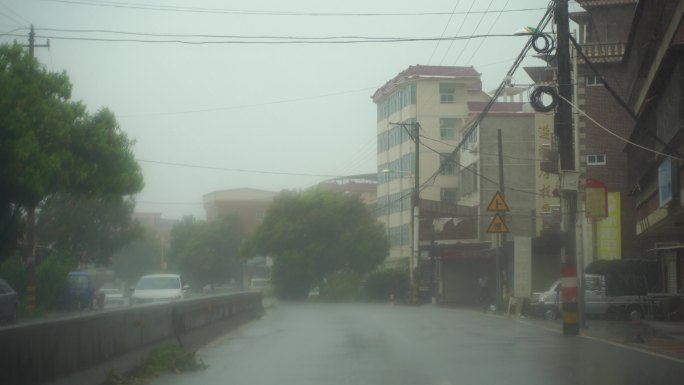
x: 248, y: 203
x: 159, y: 227
x: 364, y: 185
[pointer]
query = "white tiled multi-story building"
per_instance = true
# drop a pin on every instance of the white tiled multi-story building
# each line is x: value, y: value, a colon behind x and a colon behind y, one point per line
x: 437, y: 98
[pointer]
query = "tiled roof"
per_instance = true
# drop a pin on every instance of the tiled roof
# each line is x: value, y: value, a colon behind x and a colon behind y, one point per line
x: 423, y: 71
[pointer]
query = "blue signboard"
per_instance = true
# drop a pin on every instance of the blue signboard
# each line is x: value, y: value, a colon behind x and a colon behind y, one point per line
x: 665, y: 182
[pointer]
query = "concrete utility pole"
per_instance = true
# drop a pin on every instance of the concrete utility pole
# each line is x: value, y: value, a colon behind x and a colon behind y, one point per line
x: 30, y: 296
x: 564, y: 130
x: 32, y: 42
x: 414, y: 256
x: 500, y: 238
x: 415, y: 253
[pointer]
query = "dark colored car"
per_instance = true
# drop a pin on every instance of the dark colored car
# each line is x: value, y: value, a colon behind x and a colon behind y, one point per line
x: 81, y: 290
x: 9, y: 302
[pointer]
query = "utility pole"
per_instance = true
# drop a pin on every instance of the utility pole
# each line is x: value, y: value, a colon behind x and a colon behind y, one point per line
x: 415, y: 253
x: 30, y: 296
x: 564, y: 130
x: 414, y: 256
x: 500, y: 238
x: 32, y: 42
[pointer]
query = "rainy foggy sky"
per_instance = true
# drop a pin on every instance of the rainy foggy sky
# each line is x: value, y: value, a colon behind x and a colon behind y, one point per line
x: 147, y: 85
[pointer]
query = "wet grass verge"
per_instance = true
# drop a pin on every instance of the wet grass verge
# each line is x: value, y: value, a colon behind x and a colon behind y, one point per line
x: 170, y: 358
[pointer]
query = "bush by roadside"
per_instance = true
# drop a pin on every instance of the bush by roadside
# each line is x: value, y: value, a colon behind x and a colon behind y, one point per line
x: 52, y: 282
x: 386, y: 285
x: 165, y: 359
x: 341, y: 286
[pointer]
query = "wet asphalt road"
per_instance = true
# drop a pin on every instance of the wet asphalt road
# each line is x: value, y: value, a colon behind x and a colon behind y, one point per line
x: 312, y: 344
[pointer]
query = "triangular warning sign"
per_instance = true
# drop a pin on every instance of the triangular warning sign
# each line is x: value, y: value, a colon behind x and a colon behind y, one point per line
x: 497, y: 225
x: 497, y: 203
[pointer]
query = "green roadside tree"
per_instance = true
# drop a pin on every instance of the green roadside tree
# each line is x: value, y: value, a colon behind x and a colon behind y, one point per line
x: 91, y: 229
x: 315, y: 234
x: 35, y: 119
x: 206, y: 253
x: 51, y: 145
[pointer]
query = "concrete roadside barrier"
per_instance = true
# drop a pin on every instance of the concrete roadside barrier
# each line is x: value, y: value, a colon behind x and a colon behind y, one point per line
x: 84, y: 347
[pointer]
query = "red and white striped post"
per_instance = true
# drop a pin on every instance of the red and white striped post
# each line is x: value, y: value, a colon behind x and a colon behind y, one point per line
x: 569, y: 297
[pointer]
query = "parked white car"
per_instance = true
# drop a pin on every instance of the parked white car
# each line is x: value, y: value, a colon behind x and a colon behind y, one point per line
x: 158, y: 288
x: 261, y: 284
x: 597, y: 301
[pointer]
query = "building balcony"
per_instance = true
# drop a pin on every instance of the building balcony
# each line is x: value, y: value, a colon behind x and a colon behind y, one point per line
x: 604, y: 52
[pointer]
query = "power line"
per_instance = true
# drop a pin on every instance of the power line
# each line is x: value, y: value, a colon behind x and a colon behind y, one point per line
x: 482, y: 153
x: 368, y: 156
x: 289, y: 41
x: 619, y: 99
x: 488, y: 32
x: 482, y: 176
x: 616, y: 135
x: 156, y: 34
x: 475, y: 122
x: 275, y: 102
x: 457, y: 32
x: 283, y: 101
x: 444, y: 30
x: 474, y: 29
x: 186, y: 165
x: 164, y: 8
x: 8, y: 33
x: 381, y: 209
x: 24, y: 22
x: 359, y: 156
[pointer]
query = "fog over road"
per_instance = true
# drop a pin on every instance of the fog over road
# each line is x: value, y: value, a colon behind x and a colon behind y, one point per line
x: 314, y: 343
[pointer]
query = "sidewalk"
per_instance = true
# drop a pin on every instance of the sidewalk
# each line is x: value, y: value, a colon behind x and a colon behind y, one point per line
x: 666, y: 338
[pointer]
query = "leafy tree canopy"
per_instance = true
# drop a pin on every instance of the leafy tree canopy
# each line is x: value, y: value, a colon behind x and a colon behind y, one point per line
x: 90, y: 229
x: 316, y: 233
x: 51, y: 145
x: 206, y: 253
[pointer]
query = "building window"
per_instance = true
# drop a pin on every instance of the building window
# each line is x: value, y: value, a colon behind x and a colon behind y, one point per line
x: 447, y: 93
x: 449, y: 195
x: 393, y: 103
x: 447, y: 128
x: 449, y: 167
x: 594, y: 80
x: 470, y: 138
x: 596, y: 160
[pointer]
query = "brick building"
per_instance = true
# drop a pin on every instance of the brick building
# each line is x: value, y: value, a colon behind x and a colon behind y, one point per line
x: 602, y: 34
x: 654, y: 85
